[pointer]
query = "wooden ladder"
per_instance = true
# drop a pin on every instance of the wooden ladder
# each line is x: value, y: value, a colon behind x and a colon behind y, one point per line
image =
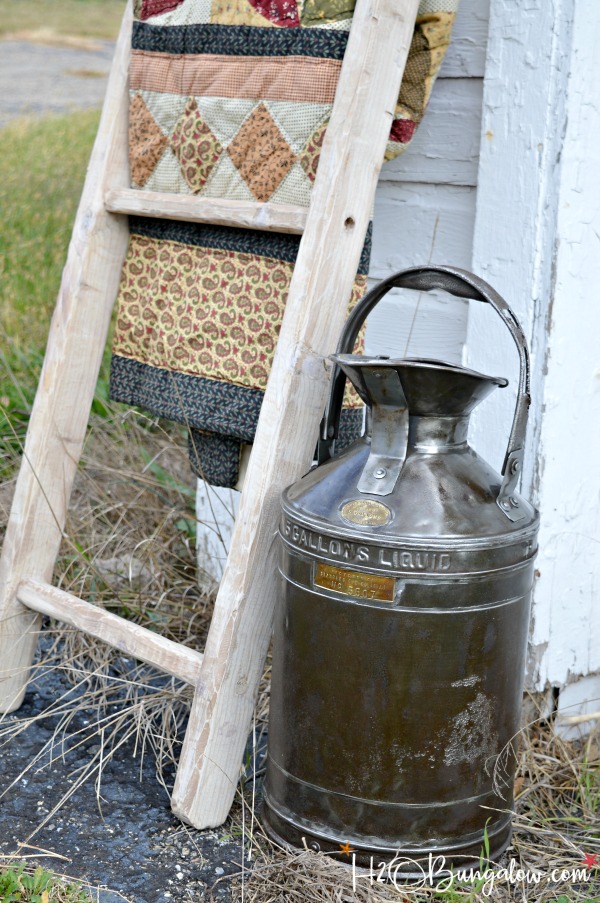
x: 226, y: 676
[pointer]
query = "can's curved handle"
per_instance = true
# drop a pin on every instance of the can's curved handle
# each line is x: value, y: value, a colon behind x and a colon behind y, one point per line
x: 462, y: 284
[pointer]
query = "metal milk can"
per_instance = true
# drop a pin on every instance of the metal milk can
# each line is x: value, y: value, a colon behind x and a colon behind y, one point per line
x: 400, y: 636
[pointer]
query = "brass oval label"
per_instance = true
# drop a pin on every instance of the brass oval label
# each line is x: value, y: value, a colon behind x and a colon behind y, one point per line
x: 366, y: 512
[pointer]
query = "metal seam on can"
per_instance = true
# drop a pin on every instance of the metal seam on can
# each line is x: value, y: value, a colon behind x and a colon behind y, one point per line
x: 386, y: 606
x: 381, y: 846
x: 443, y: 576
x: 373, y: 802
x: 495, y: 541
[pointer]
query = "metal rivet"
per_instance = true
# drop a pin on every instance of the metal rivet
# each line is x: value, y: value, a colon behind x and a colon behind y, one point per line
x: 380, y: 473
x: 504, y: 504
x: 315, y: 846
x: 514, y: 503
x: 515, y: 466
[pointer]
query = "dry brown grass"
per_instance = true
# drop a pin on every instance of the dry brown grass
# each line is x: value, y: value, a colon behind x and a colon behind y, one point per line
x: 557, y: 822
x: 128, y: 546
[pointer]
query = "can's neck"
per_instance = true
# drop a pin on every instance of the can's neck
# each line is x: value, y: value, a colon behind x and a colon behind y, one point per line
x: 434, y: 434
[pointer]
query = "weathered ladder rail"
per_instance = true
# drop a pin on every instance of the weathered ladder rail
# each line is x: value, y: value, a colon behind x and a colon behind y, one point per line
x: 226, y: 676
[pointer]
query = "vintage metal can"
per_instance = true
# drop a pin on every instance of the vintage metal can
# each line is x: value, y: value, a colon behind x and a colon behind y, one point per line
x: 401, y: 633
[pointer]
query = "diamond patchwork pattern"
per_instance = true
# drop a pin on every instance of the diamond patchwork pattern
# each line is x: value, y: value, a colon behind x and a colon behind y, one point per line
x: 311, y: 152
x: 224, y: 117
x: 224, y: 147
x: 195, y: 146
x: 147, y: 142
x: 226, y: 182
x: 294, y: 189
x: 167, y: 176
x: 297, y: 121
x: 261, y: 153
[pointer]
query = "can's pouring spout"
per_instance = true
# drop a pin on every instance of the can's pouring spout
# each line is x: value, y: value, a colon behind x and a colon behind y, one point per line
x: 439, y: 398
x: 426, y: 387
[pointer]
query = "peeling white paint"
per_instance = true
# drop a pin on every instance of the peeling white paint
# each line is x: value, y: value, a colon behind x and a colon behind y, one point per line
x: 575, y: 702
x: 568, y: 588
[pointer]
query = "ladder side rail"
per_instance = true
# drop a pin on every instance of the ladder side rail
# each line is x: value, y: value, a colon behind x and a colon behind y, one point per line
x: 63, y: 400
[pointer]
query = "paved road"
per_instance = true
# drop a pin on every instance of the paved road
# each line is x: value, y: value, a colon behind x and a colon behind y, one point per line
x: 37, y: 78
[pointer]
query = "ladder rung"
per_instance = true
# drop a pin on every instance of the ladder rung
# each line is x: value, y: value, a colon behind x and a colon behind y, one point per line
x: 136, y: 641
x: 222, y: 212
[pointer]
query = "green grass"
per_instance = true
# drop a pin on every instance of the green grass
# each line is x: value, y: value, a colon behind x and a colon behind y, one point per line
x: 42, y: 168
x: 85, y: 18
x: 39, y: 886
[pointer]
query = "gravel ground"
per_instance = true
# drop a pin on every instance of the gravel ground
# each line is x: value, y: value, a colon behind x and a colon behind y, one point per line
x: 134, y: 845
x: 130, y: 842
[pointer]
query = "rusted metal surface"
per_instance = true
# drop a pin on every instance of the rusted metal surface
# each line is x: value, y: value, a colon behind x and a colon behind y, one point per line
x: 401, y: 633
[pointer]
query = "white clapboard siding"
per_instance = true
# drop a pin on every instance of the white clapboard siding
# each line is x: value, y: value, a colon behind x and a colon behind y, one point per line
x: 425, y: 205
x: 445, y: 149
x: 424, y: 213
x: 418, y: 224
x: 467, y: 52
x: 425, y: 325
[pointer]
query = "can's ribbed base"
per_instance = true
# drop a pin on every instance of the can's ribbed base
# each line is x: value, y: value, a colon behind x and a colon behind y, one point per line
x: 401, y: 861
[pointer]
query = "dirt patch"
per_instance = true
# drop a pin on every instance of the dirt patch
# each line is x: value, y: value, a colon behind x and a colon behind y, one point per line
x: 51, y: 38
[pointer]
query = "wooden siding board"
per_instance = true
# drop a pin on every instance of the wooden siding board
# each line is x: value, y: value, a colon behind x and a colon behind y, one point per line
x: 415, y: 224
x: 445, y: 149
x: 419, y: 223
x: 467, y: 52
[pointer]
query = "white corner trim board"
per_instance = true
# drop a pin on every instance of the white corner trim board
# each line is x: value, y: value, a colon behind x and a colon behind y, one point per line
x: 536, y: 241
x: 568, y: 592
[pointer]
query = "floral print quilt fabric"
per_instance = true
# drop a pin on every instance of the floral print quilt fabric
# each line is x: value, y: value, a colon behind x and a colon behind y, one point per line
x: 231, y: 99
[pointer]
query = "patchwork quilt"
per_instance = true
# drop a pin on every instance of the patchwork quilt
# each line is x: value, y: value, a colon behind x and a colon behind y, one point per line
x: 231, y: 99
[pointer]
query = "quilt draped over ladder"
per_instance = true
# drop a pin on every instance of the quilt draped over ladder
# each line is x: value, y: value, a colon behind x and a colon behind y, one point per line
x: 231, y: 99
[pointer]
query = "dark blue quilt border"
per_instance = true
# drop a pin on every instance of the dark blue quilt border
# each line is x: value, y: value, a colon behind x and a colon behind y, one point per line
x: 240, y: 40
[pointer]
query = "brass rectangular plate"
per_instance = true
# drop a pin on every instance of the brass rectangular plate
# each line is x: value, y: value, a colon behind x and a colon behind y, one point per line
x: 355, y: 583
